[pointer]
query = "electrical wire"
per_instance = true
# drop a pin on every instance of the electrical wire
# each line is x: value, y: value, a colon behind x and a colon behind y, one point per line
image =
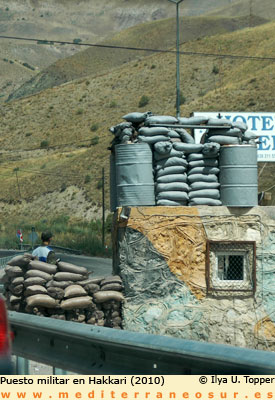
x: 108, y: 46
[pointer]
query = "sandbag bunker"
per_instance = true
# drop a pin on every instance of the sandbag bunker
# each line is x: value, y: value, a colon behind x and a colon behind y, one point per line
x: 184, y: 172
x: 62, y: 291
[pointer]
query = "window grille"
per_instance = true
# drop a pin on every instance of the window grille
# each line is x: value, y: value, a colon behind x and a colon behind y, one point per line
x: 231, y: 266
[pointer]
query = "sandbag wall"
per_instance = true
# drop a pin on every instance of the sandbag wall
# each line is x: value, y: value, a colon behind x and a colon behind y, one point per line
x: 63, y: 291
x: 185, y: 173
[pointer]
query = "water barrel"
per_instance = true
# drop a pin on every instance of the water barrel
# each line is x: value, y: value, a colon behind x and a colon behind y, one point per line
x: 113, y: 194
x: 239, y: 176
x: 134, y: 175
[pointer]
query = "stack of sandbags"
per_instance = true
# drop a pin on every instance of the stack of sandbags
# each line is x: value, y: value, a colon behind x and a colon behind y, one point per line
x: 170, y: 168
x: 63, y: 291
x: 13, y: 280
x: 228, y: 132
x: 203, y: 175
x: 110, y: 298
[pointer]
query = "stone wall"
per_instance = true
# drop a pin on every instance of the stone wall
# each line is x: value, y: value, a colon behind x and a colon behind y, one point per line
x: 160, y: 253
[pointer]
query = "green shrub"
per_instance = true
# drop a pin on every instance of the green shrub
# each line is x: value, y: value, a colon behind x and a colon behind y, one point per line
x: 44, y: 144
x: 215, y: 69
x: 94, y: 140
x: 79, y: 111
x: 87, y: 179
x: 77, y: 40
x: 144, y: 100
x: 113, y: 104
x: 99, y: 184
x: 94, y: 127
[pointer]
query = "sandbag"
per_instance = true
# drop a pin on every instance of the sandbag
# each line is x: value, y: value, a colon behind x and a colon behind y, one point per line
x: 95, y: 281
x: 37, y: 273
x: 136, y: 117
x: 204, y: 185
x: 21, y: 261
x: 170, y: 171
x: 200, y: 120
x: 234, y: 132
x: 102, y: 296
x: 34, y: 281
x: 224, y: 140
x: 13, y: 271
x: 202, y: 178
x: 152, y: 139
x: 117, y: 129
x: 16, y: 290
x: 17, y: 280
x: 56, y: 292
x: 74, y: 291
x: 67, y: 267
x: 15, y: 299
x: 200, y: 201
x: 112, y: 286
x: 188, y: 147
x: 58, y: 284
x: 35, y: 289
x: 172, y: 178
x: 41, y: 300
x: 203, y: 170
x: 171, y: 203
x: 172, y: 153
x: 165, y: 187
x: 240, y: 125
x: 67, y: 276
x: 199, y: 156
x: 144, y: 131
x: 160, y: 119
x: 171, y: 162
x: 205, y: 193
x: 42, y: 266
x: 111, y: 279
x: 219, y: 122
x: 173, y: 134
x: 91, y: 288
x: 76, y: 302
x: 163, y: 147
x: 211, y: 149
x: 172, y: 195
x: 185, y: 136
x: 206, y: 162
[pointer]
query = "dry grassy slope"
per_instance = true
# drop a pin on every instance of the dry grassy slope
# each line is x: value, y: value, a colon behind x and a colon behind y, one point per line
x: 261, y: 8
x: 65, y: 114
x: 157, y: 34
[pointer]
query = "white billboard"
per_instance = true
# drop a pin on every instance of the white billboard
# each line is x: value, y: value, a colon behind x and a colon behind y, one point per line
x: 261, y: 123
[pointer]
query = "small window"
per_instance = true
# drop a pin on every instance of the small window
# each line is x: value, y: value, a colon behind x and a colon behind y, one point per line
x: 230, y: 266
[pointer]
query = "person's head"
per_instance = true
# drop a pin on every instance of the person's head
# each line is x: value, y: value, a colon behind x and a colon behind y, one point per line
x: 46, y: 236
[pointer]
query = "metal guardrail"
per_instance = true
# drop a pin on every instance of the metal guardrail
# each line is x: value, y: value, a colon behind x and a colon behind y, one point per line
x: 89, y: 349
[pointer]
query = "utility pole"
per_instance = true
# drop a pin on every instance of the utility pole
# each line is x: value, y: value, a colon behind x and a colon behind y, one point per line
x: 103, y: 208
x: 177, y: 2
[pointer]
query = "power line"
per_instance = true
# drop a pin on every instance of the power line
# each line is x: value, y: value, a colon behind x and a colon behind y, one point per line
x: 35, y: 172
x: 108, y: 46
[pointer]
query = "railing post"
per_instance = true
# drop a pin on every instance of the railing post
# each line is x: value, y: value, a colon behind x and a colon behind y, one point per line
x: 22, y: 366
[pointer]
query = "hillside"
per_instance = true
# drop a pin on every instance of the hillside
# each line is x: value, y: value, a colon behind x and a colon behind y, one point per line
x: 155, y: 35
x: 89, y: 21
x: 261, y: 8
x: 54, y: 144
